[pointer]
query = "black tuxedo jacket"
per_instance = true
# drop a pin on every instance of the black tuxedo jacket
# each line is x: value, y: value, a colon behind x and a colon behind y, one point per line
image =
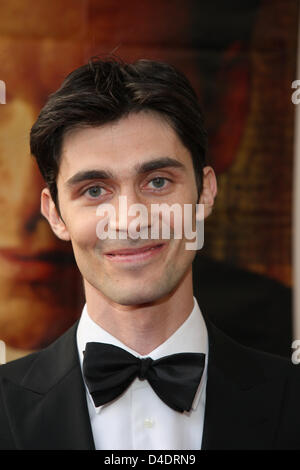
x: 252, y: 399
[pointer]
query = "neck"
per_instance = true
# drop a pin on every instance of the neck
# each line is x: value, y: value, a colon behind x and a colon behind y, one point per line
x: 142, y: 327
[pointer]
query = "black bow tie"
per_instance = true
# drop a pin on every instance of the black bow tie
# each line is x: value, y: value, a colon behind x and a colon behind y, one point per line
x: 109, y: 370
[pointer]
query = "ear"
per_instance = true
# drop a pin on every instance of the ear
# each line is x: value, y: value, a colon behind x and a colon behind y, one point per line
x: 209, y: 190
x: 49, y: 210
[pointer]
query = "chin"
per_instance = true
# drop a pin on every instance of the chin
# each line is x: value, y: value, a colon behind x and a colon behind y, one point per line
x: 134, y: 298
x: 139, y: 295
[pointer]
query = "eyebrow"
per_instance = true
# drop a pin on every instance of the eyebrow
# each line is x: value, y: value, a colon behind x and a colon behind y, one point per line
x: 140, y: 168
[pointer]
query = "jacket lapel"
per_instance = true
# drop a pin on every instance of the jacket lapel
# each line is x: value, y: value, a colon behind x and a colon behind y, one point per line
x: 243, y: 395
x: 48, y: 409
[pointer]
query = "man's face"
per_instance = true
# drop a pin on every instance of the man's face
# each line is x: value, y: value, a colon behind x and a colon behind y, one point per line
x: 119, y: 148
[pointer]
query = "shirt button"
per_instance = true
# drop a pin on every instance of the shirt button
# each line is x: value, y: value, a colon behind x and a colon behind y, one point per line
x: 148, y: 423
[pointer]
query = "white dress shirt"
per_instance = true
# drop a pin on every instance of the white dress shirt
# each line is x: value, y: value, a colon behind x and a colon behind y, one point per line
x: 138, y: 419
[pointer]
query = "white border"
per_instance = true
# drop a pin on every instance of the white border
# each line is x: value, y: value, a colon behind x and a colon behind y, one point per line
x: 296, y: 211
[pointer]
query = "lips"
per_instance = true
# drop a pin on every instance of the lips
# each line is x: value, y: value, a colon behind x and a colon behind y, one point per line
x: 137, y: 257
x: 134, y: 251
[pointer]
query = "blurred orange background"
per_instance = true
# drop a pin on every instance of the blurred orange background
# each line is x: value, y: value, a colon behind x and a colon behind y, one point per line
x: 241, y: 59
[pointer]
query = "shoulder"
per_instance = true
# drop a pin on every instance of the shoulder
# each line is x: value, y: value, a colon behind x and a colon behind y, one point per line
x: 46, y: 366
x: 26, y: 381
x: 247, y: 365
x: 16, y: 370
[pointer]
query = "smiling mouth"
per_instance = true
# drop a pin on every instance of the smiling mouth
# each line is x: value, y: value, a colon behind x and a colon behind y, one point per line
x: 140, y: 254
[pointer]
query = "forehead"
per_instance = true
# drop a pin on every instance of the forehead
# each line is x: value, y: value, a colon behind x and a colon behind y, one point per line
x: 121, y: 145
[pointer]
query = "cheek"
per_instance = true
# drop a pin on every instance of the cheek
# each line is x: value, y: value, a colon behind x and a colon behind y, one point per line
x: 182, y: 221
x: 83, y: 231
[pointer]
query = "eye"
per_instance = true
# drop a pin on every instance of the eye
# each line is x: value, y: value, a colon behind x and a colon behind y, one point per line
x: 95, y: 191
x: 159, y: 182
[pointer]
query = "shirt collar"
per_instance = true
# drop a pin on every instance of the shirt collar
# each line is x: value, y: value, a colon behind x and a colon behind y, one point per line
x: 191, y: 336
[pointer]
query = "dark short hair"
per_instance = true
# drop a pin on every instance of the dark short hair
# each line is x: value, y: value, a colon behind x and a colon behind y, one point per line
x: 105, y: 90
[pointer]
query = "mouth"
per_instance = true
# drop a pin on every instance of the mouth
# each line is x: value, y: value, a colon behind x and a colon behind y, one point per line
x: 136, y: 255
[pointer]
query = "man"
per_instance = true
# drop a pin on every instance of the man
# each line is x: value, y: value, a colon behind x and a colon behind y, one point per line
x: 143, y: 368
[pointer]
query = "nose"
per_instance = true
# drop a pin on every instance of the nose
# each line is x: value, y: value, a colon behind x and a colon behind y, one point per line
x: 131, y: 216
